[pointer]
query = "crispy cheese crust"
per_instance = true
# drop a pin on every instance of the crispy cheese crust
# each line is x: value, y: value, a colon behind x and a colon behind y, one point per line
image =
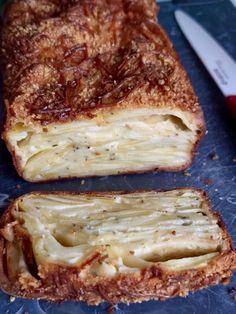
x: 77, y: 60
x: 74, y: 59
x: 56, y: 278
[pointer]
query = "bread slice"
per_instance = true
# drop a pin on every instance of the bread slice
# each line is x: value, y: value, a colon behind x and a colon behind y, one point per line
x: 95, y: 89
x: 114, y: 247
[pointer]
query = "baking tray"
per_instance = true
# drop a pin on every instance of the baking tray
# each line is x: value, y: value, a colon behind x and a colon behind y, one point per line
x: 218, y: 177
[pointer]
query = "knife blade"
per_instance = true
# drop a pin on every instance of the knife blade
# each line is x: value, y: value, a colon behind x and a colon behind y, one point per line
x: 217, y: 61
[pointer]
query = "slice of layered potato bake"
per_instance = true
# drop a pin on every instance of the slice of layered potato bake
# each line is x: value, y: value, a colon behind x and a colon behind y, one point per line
x: 114, y: 247
x: 95, y: 88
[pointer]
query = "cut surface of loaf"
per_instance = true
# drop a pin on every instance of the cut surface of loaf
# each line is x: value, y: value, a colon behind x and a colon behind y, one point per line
x: 114, y: 247
x: 94, y: 89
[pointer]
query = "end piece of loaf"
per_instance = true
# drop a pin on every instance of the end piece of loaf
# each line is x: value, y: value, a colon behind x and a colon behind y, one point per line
x: 114, y: 247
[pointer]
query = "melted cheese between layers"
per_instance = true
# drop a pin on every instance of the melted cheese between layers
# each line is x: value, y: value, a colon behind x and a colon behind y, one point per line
x: 132, y: 231
x: 126, y: 141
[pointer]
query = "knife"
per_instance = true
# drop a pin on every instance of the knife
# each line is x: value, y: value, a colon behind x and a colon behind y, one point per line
x: 218, y: 62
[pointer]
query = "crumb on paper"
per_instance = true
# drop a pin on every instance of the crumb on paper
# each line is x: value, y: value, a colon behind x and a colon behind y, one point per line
x: 82, y: 182
x: 173, y: 232
x: 111, y: 308
x: 214, y: 156
x: 232, y: 293
x: 12, y: 299
x: 187, y: 174
x: 207, y: 181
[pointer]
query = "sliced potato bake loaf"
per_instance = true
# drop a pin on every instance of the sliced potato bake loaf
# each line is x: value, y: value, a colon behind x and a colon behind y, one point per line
x: 114, y: 247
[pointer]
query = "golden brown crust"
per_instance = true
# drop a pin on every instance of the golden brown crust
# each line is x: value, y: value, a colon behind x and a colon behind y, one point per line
x: 76, y: 59
x: 67, y: 60
x: 57, y: 282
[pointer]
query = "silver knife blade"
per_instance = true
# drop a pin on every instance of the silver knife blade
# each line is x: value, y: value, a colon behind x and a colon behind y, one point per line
x: 218, y: 62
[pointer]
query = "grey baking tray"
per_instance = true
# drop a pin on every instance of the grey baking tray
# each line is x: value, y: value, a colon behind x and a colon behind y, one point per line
x: 218, y: 177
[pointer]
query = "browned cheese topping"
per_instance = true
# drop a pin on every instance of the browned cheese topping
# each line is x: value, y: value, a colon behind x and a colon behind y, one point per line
x: 65, y: 58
